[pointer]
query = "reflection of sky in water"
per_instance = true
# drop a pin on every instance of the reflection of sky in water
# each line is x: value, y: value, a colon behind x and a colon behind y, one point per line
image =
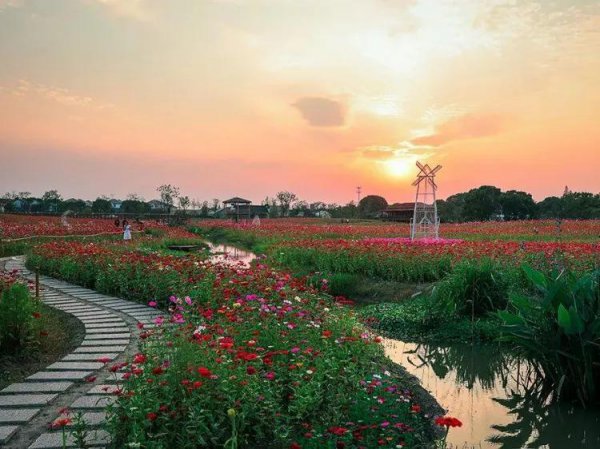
x: 230, y: 255
x: 465, y: 380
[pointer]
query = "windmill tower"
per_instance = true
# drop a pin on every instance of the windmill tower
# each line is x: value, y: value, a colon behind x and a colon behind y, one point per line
x: 425, y: 222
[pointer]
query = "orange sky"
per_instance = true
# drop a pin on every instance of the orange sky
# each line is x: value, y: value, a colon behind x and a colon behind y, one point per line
x: 249, y: 97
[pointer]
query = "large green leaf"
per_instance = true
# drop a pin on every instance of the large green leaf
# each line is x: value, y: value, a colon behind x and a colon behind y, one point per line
x: 537, y: 278
x: 564, y: 319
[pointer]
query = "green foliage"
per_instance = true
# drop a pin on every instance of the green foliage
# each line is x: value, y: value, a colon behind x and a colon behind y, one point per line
x: 473, y: 289
x: 559, y: 328
x: 17, y: 322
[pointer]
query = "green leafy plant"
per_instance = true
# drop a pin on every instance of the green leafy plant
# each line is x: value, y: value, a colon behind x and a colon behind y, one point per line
x: 559, y: 328
x: 18, y: 324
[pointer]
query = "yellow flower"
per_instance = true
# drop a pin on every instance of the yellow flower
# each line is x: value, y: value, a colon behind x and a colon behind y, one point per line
x: 231, y: 413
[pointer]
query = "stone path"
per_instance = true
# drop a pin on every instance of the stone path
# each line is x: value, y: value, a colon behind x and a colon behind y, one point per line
x: 78, y: 381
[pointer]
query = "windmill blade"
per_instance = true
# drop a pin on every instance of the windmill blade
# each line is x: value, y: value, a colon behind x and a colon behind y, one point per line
x: 420, y: 166
x: 427, y: 169
x: 417, y: 181
x: 436, y: 169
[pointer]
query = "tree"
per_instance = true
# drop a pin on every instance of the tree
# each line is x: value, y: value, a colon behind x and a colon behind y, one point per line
x: 71, y: 205
x: 135, y: 197
x: 168, y: 193
x: 204, y: 209
x: 517, y: 205
x: 51, y: 195
x: 482, y: 203
x: 101, y: 206
x: 215, y: 204
x: 134, y: 206
x: 371, y: 205
x: 51, y: 200
x: 24, y: 195
x: 451, y: 210
x: 184, y: 202
x: 286, y: 199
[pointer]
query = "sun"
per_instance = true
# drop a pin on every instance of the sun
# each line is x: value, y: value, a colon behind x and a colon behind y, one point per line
x: 398, y: 167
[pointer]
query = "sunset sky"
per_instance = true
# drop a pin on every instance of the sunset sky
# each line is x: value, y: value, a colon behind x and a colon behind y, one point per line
x: 248, y: 97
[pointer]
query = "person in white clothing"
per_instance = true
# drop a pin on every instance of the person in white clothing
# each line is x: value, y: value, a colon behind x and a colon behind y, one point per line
x: 127, y: 232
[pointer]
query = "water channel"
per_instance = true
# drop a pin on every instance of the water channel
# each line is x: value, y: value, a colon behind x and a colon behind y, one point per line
x: 497, y: 397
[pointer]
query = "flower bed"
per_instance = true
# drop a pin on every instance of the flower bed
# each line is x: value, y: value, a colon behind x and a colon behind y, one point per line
x: 249, y: 358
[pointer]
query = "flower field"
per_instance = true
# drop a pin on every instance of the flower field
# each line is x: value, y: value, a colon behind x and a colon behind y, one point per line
x: 312, y: 228
x: 244, y: 357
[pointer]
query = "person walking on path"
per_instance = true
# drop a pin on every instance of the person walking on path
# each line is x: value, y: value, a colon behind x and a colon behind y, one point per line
x: 126, y: 231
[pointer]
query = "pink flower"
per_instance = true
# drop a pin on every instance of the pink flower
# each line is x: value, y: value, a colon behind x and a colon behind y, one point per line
x: 270, y: 375
x: 188, y: 300
x: 295, y: 349
x: 152, y: 303
x: 159, y: 320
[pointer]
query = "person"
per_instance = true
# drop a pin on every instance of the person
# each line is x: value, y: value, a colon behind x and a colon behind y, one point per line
x: 126, y: 231
x: 117, y: 223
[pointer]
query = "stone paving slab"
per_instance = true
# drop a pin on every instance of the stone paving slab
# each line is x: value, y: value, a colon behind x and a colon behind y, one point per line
x: 37, y: 387
x: 94, y: 336
x: 98, y: 349
x: 75, y: 366
x: 19, y: 400
x: 109, y: 330
x: 94, y: 320
x: 59, y: 375
x: 6, y: 432
x: 101, y: 314
x: 93, y: 419
x: 92, y: 357
x: 17, y: 415
x: 112, y: 324
x: 92, y: 401
x: 86, y: 343
x: 54, y: 440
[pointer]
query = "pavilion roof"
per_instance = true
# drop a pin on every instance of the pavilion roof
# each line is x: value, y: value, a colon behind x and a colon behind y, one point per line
x: 237, y: 200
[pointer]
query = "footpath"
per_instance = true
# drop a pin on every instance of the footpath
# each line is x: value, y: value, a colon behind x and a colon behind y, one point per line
x: 78, y: 382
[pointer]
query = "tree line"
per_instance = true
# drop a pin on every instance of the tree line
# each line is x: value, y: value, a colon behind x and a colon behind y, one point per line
x: 479, y: 204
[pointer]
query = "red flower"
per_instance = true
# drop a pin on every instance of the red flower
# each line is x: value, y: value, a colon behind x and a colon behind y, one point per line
x: 139, y: 358
x: 104, y: 359
x: 60, y: 423
x: 151, y: 416
x: 251, y: 370
x: 415, y: 408
x: 158, y: 370
x: 448, y: 421
x: 326, y: 334
x: 336, y: 430
x: 204, y: 372
x: 91, y: 379
x: 295, y: 445
x: 36, y: 315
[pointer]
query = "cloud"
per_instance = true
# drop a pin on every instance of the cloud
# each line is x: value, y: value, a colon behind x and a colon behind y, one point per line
x: 133, y: 9
x: 403, y: 149
x: 321, y: 112
x: 57, y: 94
x: 467, y: 126
x: 5, y: 4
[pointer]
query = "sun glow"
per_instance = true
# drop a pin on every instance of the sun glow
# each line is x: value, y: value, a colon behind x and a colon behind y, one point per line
x: 398, y: 167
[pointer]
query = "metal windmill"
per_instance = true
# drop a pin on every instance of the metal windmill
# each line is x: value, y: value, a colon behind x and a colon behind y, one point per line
x: 425, y: 222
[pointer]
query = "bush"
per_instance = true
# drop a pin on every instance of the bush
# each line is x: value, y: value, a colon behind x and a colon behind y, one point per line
x: 559, y: 329
x: 473, y: 289
x: 18, y: 314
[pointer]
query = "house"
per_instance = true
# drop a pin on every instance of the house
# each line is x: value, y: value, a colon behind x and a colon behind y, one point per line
x: 239, y: 208
x: 401, y: 212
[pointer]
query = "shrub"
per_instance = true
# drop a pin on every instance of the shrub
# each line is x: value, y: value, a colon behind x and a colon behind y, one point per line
x: 474, y: 288
x: 18, y: 314
x: 559, y: 328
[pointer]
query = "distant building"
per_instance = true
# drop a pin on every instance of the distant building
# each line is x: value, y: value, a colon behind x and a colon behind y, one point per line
x: 401, y: 212
x: 115, y: 205
x: 241, y: 209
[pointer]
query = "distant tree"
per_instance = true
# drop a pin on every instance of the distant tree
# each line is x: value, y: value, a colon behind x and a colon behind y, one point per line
x: 517, y: 205
x: 101, y: 206
x: 184, y: 202
x: 135, y: 197
x: 286, y: 199
x: 168, y: 194
x: 24, y: 195
x: 300, y: 209
x: 51, y: 200
x: 482, y: 203
x: 317, y: 206
x: 10, y: 195
x: 371, y: 205
x: 451, y: 210
x: 580, y: 205
x: 71, y: 205
x: 134, y: 206
x: 204, y: 209
x: 215, y: 204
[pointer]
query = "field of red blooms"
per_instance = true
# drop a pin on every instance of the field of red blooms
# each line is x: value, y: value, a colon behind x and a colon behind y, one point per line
x: 312, y: 228
x: 252, y: 356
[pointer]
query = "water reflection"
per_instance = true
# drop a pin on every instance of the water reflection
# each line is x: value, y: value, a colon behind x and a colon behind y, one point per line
x: 230, y: 255
x: 499, y: 398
